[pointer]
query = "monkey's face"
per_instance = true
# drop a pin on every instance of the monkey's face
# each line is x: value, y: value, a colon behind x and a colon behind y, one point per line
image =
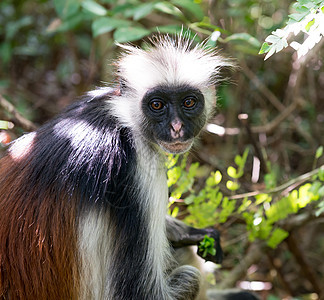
x: 174, y: 116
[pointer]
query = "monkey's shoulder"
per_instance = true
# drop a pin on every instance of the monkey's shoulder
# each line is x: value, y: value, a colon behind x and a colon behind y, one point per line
x: 81, y: 147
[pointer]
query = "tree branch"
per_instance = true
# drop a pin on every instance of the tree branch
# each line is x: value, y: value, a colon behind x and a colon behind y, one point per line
x: 253, y: 256
x: 309, y: 273
x: 17, y: 117
x: 284, y: 187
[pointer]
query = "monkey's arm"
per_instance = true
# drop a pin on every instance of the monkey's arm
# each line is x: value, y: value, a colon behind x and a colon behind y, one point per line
x: 181, y: 235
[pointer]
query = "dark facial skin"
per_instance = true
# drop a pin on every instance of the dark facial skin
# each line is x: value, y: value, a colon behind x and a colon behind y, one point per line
x: 175, y: 115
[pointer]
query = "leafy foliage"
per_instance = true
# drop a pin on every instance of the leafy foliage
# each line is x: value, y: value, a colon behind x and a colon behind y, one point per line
x: 262, y: 213
x: 308, y: 19
x: 123, y: 19
x: 207, y: 246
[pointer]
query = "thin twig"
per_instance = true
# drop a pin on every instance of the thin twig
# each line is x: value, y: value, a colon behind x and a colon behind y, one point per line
x: 275, y: 263
x: 277, y: 103
x: 276, y: 121
x: 262, y: 87
x: 17, y: 117
x: 294, y: 182
x: 255, y: 253
x: 258, y: 152
x: 258, y: 250
x: 300, y: 257
x: 269, y: 127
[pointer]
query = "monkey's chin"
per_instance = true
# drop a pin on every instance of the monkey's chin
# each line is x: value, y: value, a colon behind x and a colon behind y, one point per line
x: 176, y: 147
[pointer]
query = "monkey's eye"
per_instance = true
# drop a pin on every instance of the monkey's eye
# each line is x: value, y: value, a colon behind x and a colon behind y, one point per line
x: 189, y: 102
x: 156, y: 104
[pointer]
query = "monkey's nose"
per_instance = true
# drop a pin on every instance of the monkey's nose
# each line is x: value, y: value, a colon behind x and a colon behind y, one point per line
x: 176, y: 127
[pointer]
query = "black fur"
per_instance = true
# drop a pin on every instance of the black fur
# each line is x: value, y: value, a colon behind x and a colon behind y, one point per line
x: 98, y: 171
x: 99, y: 164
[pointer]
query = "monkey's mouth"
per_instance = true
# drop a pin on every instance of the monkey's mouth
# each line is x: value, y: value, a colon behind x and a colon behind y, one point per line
x: 176, y: 147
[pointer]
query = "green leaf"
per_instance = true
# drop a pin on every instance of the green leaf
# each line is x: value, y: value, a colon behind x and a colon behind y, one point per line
x: 5, y: 52
x: 264, y: 48
x: 143, y: 10
x: 175, y: 212
x: 127, y: 9
x: 173, y: 175
x: 321, y: 174
x: 282, y: 208
x: 244, y: 157
x: 238, y: 160
x: 232, y: 185
x: 4, y: 83
x: 193, y: 169
x: 271, y: 51
x: 238, y: 37
x: 5, y: 124
x: 315, y: 187
x: 278, y: 41
x: 320, y: 191
x: 270, y: 180
x: 169, y: 9
x: 228, y: 206
x: 273, y: 39
x: 172, y: 159
x: 210, y: 182
x: 309, y: 25
x: 107, y: 24
x: 278, y: 235
x: 66, y: 8
x: 129, y: 34
x: 319, y: 152
x: 207, y: 245
x: 13, y: 28
x: 305, y: 7
x: 172, y: 29
x: 320, y: 209
x: 189, y: 200
x: 298, y: 16
x: 94, y: 7
x: 245, y: 204
x: 304, y: 194
x: 190, y: 6
x: 218, y: 177
x: 261, y: 198
x: 263, y: 229
x: 70, y: 23
x: 231, y: 171
x: 281, y: 44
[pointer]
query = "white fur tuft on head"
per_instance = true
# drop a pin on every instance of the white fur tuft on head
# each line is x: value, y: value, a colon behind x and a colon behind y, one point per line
x: 169, y: 62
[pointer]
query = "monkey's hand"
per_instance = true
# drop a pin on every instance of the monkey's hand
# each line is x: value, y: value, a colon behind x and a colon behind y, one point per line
x: 181, y: 235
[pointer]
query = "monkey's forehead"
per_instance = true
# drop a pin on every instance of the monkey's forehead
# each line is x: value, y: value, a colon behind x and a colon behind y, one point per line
x: 170, y: 64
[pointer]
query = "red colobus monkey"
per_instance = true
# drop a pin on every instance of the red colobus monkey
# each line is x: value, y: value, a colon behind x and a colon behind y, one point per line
x: 83, y: 199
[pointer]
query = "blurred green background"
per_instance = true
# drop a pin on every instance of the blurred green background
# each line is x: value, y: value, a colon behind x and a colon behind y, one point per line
x: 264, y: 140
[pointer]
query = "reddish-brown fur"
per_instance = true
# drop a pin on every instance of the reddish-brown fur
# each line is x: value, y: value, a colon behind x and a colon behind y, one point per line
x: 38, y: 246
